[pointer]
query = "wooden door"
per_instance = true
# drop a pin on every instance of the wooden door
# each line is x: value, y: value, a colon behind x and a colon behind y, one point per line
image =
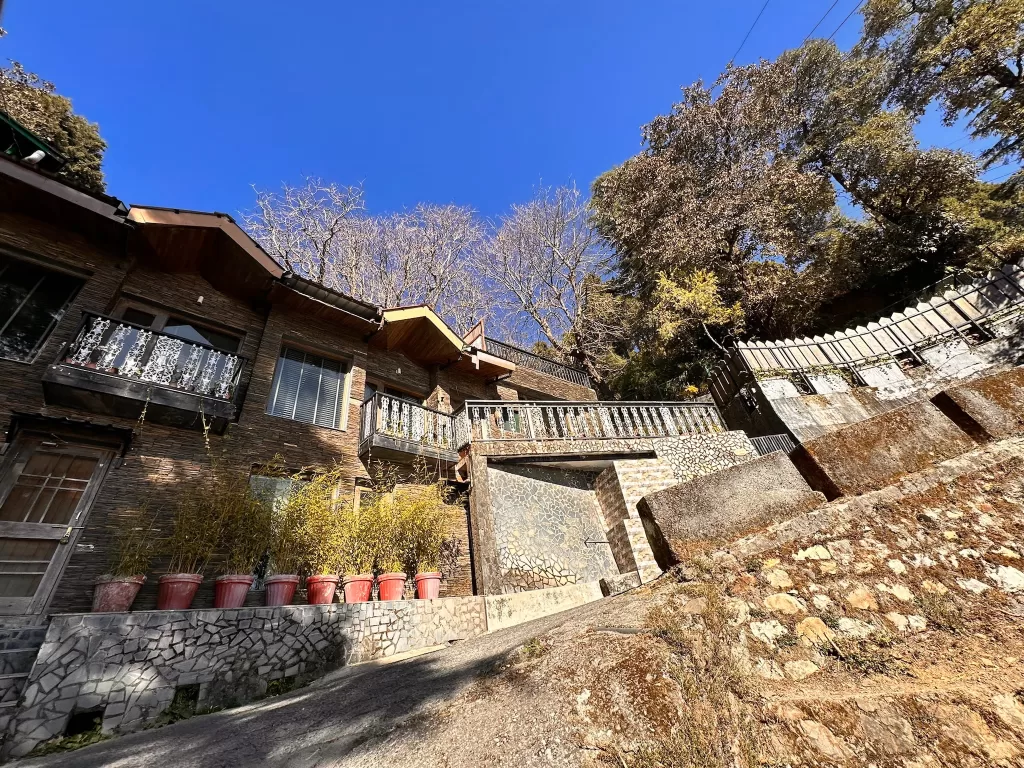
x: 46, y: 490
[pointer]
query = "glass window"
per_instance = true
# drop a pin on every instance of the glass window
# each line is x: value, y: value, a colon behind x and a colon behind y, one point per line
x: 308, y: 388
x: 186, y: 330
x: 32, y: 301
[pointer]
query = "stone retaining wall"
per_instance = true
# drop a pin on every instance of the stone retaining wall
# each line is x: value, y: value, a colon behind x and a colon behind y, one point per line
x: 129, y: 665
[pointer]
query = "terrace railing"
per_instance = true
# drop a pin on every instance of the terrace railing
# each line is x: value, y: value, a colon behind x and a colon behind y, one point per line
x: 405, y: 420
x: 772, y: 443
x: 582, y: 420
x: 118, y: 348
x: 538, y: 363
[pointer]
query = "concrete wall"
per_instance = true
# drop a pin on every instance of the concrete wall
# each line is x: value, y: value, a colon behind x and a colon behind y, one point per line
x: 872, y: 453
x: 989, y: 408
x: 724, y: 505
x: 509, y: 610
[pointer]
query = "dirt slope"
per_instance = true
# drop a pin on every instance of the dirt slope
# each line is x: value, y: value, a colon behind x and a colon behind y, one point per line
x: 883, y: 631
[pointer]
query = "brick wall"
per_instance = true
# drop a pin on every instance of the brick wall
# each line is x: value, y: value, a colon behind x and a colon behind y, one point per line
x: 165, y: 462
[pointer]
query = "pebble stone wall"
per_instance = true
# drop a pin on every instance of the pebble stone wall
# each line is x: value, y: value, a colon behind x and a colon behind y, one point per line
x: 543, y: 517
x: 699, y: 455
x: 131, y: 664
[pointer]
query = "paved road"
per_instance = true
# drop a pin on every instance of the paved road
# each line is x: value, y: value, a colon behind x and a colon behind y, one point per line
x: 334, y: 722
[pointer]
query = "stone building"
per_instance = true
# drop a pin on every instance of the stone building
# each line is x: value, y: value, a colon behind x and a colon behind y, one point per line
x: 139, y: 344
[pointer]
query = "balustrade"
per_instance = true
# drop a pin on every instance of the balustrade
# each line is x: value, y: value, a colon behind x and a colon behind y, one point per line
x: 557, y: 420
x: 129, y: 351
x: 405, y: 420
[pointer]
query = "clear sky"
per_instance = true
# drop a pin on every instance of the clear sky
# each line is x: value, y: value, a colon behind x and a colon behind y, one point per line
x: 467, y: 102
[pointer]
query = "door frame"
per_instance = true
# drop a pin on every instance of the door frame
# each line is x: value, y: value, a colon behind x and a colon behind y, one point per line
x: 24, y: 444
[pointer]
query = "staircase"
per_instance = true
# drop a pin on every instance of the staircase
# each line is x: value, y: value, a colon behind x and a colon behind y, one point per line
x: 619, y: 488
x: 18, y: 649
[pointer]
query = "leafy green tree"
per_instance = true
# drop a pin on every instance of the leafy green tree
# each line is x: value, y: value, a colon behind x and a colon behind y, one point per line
x: 35, y: 103
x: 784, y: 199
x: 967, y: 54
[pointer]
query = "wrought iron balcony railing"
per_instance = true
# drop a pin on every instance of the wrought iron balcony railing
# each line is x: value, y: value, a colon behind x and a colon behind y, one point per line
x: 400, y: 419
x: 118, y: 348
x: 538, y: 363
x: 557, y: 420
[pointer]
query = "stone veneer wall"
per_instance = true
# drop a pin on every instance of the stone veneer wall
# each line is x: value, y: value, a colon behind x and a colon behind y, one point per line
x: 695, y: 456
x: 542, y: 519
x: 130, y: 664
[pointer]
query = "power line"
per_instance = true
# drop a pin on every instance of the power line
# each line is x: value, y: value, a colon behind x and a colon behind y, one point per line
x: 843, y: 22
x: 815, y: 27
x: 744, y: 41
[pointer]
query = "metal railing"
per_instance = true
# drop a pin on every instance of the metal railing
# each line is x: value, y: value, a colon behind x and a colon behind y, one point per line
x: 405, y: 420
x: 537, y: 363
x: 582, y: 420
x: 961, y: 311
x: 772, y: 443
x: 126, y: 350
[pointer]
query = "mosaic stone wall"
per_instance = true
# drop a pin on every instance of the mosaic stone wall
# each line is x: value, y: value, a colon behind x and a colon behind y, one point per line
x: 699, y: 455
x: 130, y: 664
x: 542, y: 518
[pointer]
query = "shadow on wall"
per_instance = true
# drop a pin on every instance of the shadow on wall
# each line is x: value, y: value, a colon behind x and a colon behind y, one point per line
x: 548, y: 527
x: 318, y: 724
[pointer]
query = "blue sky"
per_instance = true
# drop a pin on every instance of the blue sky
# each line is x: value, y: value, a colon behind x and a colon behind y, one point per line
x: 467, y: 102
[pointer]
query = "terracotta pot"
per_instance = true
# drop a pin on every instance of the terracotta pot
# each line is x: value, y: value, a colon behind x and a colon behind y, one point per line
x: 390, y: 586
x: 428, y: 585
x: 230, y: 591
x: 177, y: 591
x: 357, y: 588
x: 115, y: 595
x: 320, y: 589
x: 281, y: 589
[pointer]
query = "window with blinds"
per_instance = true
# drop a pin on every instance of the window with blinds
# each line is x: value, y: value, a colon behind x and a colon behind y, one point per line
x: 308, y: 388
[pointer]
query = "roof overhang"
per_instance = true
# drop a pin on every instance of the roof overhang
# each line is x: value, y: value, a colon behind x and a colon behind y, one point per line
x: 210, y: 244
x: 289, y: 298
x: 13, y: 171
x: 420, y: 334
x: 485, y: 364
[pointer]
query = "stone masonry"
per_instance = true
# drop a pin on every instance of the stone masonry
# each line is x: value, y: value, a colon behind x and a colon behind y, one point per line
x: 129, y: 665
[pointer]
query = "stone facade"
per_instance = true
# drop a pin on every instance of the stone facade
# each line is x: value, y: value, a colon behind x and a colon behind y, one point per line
x: 129, y: 665
x: 499, y: 529
x: 548, y: 527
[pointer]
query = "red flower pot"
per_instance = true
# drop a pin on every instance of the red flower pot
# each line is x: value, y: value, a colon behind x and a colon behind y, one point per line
x: 177, y: 590
x: 320, y: 589
x: 115, y: 595
x: 428, y: 585
x: 390, y: 586
x: 230, y: 591
x: 281, y: 589
x: 357, y: 588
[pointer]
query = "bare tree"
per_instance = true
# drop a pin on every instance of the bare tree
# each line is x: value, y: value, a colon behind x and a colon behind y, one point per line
x: 310, y: 230
x: 422, y: 256
x: 544, y: 267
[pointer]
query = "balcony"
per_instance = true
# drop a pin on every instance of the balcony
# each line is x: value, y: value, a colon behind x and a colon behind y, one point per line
x: 121, y: 369
x: 529, y: 360
x: 393, y: 429
x: 568, y: 422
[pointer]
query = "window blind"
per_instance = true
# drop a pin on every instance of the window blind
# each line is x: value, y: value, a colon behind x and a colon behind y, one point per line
x: 307, y: 388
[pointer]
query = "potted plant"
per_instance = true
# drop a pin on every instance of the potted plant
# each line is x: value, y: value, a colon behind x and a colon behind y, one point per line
x: 245, y: 538
x: 357, y: 553
x: 285, y: 554
x: 134, y: 546
x: 429, y: 515
x: 389, y: 546
x: 194, y: 538
x: 320, y: 535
